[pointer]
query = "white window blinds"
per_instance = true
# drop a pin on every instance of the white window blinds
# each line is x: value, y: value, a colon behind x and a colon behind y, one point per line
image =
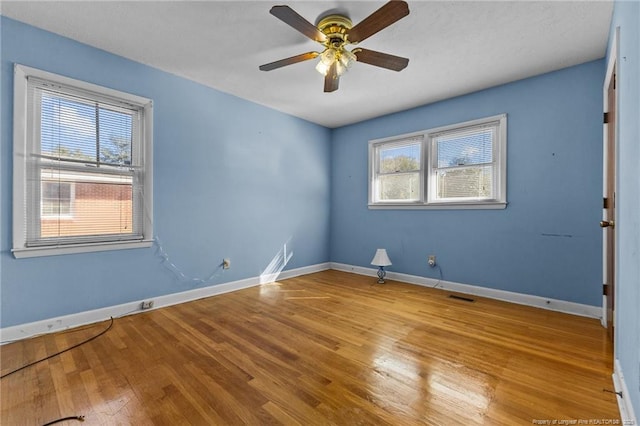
x: 464, y: 163
x: 84, y: 166
x: 457, y: 166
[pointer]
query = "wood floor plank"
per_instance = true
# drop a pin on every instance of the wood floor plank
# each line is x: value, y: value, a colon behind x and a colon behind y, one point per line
x: 326, y: 348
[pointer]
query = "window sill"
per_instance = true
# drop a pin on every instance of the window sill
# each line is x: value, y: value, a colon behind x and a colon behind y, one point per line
x: 79, y: 248
x: 477, y: 205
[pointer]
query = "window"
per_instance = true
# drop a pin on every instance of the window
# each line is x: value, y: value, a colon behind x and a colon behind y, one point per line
x: 457, y: 166
x: 398, y: 170
x: 57, y: 200
x: 82, y: 166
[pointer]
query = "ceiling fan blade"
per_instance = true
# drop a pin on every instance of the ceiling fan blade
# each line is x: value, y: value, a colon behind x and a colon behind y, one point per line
x: 378, y: 20
x: 379, y: 59
x: 291, y: 17
x: 288, y: 61
x: 332, y: 79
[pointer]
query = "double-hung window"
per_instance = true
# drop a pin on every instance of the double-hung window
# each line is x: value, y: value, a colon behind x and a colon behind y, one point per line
x: 398, y: 171
x: 457, y: 166
x: 82, y: 166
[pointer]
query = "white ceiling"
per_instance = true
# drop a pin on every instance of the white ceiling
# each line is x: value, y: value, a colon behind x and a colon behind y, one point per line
x: 454, y: 47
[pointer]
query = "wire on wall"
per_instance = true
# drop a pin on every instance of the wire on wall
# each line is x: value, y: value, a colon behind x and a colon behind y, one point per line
x: 177, y: 272
x: 437, y: 265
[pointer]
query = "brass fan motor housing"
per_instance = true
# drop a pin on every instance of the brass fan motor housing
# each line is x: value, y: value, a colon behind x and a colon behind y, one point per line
x: 336, y: 28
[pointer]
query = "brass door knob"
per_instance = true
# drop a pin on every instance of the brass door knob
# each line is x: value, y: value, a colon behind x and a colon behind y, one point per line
x: 607, y: 223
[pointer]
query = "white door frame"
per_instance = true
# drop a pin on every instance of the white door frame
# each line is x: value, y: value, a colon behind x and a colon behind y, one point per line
x: 611, y: 65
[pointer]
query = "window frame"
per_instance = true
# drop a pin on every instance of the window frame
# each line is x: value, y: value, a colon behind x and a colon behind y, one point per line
x: 428, y: 168
x: 398, y: 142
x: 23, y: 145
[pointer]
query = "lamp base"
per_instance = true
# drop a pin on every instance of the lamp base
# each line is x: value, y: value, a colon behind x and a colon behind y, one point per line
x: 381, y: 274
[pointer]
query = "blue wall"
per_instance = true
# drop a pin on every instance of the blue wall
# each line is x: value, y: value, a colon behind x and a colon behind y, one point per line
x: 626, y: 15
x: 231, y: 179
x: 234, y: 179
x: 546, y: 242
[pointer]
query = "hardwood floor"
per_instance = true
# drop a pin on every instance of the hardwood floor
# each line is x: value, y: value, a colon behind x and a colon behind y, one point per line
x: 325, y: 348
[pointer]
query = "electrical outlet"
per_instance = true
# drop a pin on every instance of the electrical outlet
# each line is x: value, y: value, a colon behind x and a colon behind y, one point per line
x: 431, y: 260
x: 147, y: 304
x: 226, y: 263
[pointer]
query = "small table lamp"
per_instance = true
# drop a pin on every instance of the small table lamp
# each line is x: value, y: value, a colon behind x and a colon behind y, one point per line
x: 381, y: 260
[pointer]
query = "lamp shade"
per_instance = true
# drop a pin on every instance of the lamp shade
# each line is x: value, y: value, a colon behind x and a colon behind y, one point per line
x: 381, y: 258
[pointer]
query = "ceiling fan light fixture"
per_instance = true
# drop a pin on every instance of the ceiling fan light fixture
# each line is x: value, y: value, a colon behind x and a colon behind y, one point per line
x: 341, y: 57
x: 334, y: 33
x: 327, y: 58
x: 347, y: 58
x: 322, y: 68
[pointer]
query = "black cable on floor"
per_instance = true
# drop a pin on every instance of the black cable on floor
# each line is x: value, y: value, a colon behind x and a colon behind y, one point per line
x: 59, y: 353
x: 64, y: 419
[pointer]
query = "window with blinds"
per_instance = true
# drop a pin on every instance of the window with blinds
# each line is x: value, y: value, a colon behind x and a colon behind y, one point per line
x: 463, y: 163
x: 457, y: 166
x: 86, y: 172
x: 398, y: 170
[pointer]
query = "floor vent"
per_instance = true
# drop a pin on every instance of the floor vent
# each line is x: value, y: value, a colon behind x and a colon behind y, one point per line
x: 466, y: 299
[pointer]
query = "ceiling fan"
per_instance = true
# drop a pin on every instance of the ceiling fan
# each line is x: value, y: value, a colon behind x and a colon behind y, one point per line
x: 335, y: 32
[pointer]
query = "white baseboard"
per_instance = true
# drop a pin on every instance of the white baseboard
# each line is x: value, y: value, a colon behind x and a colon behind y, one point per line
x: 627, y: 414
x: 305, y: 270
x: 23, y: 331
x: 508, y: 296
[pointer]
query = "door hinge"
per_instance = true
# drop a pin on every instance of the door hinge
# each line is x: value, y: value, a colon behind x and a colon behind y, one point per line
x: 605, y: 203
x: 606, y: 118
x: 604, y: 289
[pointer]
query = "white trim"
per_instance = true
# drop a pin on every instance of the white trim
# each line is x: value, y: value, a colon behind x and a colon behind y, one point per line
x: 613, y: 62
x: 147, y: 161
x: 627, y: 414
x: 426, y: 200
x: 480, y: 205
x: 51, y: 325
x: 19, y: 154
x: 507, y: 296
x: 291, y: 273
x: 80, y: 248
x: 374, y: 165
x: 499, y: 154
x: 21, y: 146
x: 96, y: 89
